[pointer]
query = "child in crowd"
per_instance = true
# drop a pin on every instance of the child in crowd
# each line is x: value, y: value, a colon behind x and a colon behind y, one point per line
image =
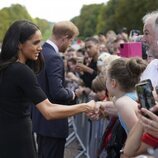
x: 99, y: 87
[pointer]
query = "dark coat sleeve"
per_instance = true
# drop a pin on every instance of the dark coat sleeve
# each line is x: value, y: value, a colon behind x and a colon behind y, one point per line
x: 55, y: 73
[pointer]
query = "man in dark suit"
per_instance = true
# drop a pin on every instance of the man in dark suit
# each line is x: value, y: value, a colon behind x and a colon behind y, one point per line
x: 51, y: 135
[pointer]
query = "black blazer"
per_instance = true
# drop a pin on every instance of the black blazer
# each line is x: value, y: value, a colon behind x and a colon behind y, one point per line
x: 51, y: 80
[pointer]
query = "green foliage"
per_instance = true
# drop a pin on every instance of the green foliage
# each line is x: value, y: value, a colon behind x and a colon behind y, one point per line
x: 45, y: 27
x: 127, y: 13
x: 88, y: 19
x: 101, y: 23
x: 16, y: 12
x: 93, y: 19
x: 114, y: 15
x: 11, y: 14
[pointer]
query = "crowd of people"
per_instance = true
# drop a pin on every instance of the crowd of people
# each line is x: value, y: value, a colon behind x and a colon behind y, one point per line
x: 41, y: 86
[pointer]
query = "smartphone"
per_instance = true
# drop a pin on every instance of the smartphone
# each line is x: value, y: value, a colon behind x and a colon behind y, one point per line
x: 150, y: 83
x: 134, y: 32
x: 145, y: 96
x: 131, y: 49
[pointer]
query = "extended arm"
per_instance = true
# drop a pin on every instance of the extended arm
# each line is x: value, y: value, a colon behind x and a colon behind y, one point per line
x: 55, y: 111
x: 133, y: 145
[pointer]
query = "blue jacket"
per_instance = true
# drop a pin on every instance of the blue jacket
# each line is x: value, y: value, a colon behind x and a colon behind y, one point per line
x: 51, y: 80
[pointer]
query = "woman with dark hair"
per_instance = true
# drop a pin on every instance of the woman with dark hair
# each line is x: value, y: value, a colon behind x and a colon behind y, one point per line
x: 19, y: 59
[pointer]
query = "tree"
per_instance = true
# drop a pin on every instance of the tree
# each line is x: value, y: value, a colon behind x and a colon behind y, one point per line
x: 88, y: 19
x: 44, y: 26
x: 17, y: 12
x: 126, y: 13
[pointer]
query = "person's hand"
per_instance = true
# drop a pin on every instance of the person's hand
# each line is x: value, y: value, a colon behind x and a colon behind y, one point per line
x: 84, y: 68
x: 154, y: 109
x: 72, y: 76
x: 91, y: 105
x: 94, y: 115
x: 79, y: 91
x: 80, y: 67
x: 108, y: 108
x: 86, y: 90
x: 149, y: 121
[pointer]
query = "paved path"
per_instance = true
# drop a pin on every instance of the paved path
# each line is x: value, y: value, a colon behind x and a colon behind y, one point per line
x: 72, y: 150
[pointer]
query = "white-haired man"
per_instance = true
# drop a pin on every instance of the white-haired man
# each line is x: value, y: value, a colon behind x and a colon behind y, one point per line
x: 144, y: 134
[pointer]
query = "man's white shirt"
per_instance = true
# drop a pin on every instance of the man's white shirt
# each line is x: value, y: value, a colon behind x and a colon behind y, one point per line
x: 151, y: 72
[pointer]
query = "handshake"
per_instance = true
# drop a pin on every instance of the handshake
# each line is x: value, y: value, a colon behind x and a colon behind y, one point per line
x: 100, y: 109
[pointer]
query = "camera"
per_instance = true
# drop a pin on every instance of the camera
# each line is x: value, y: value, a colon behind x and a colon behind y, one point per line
x: 144, y: 91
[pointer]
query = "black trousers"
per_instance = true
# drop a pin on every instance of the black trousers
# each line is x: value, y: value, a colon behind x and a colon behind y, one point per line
x: 49, y: 147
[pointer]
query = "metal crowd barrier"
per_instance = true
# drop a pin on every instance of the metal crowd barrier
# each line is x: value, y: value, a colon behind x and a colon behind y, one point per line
x: 88, y: 133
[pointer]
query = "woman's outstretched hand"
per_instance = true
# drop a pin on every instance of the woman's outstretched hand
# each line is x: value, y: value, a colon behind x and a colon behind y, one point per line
x: 94, y: 113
